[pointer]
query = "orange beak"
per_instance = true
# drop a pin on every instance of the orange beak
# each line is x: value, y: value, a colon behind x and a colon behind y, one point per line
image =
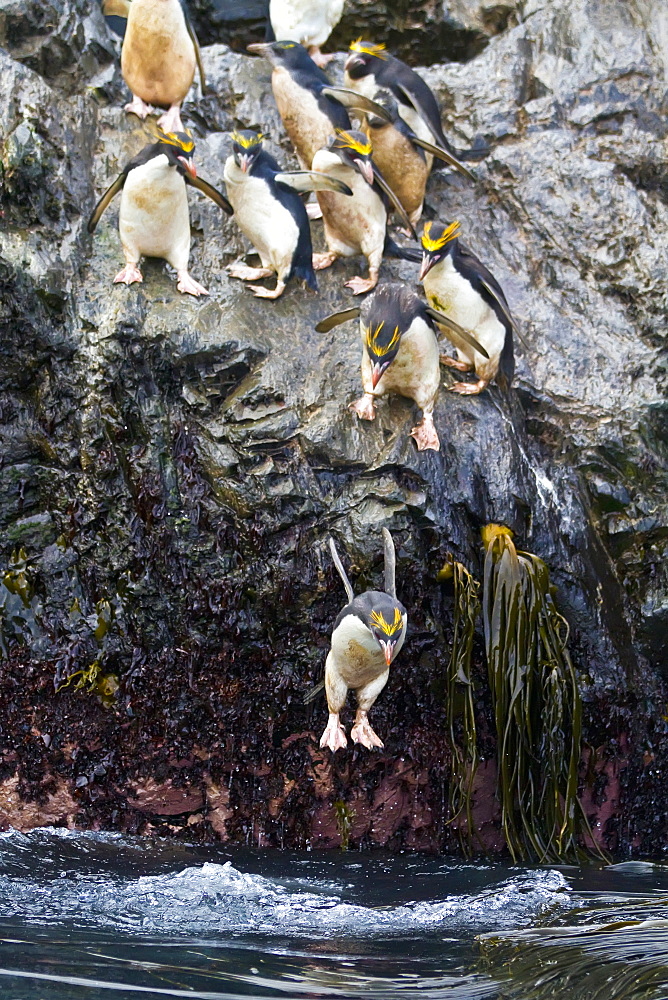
x: 189, y: 165
x: 388, y: 649
x: 366, y: 170
x: 377, y: 373
x: 426, y: 266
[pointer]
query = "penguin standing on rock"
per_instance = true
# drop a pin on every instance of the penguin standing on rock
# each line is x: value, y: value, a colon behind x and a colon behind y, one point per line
x: 369, y: 68
x: 400, y: 353
x: 459, y: 285
x: 367, y: 636
x: 309, y: 22
x: 358, y: 224
x: 404, y: 159
x: 159, y: 56
x: 311, y: 108
x: 154, y: 220
x: 269, y: 211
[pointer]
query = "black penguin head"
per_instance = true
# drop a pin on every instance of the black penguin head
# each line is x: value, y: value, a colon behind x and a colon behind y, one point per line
x: 246, y: 146
x: 292, y: 55
x: 363, y: 59
x: 385, y: 317
x: 437, y: 242
x: 385, y: 618
x: 179, y: 148
x: 354, y: 149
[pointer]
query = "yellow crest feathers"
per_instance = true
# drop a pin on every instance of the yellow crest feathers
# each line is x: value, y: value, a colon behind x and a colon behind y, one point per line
x: 371, y: 337
x: 350, y: 142
x: 247, y: 141
x: 368, y: 48
x: 182, y: 140
x: 387, y: 627
x: 451, y: 233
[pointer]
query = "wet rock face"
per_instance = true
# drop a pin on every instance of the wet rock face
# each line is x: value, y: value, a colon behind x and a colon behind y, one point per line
x: 171, y: 468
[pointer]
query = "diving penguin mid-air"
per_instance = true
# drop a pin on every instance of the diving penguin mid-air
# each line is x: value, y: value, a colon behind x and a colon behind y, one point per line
x: 159, y: 56
x: 154, y: 220
x: 309, y: 22
x: 269, y: 211
x: 459, y: 285
x: 400, y: 353
x: 366, y: 638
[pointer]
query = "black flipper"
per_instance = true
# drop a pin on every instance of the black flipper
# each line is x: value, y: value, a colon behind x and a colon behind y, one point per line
x: 210, y: 191
x: 443, y: 154
x: 198, y: 54
x: 104, y: 201
x: 394, y: 201
x: 390, y: 564
x: 313, y: 693
x: 310, y: 180
x: 341, y: 571
x: 116, y: 15
x: 392, y: 249
x: 463, y: 334
x: 337, y: 318
x: 357, y: 102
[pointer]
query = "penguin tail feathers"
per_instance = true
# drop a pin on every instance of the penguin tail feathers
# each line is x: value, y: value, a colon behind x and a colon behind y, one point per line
x: 313, y: 693
x: 504, y: 376
x: 392, y: 249
x: 305, y: 273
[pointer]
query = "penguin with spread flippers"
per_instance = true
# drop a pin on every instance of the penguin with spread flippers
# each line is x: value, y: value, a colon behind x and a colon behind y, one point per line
x: 154, y: 220
x: 399, y: 353
x: 403, y: 158
x: 358, y: 224
x: 369, y: 68
x: 366, y: 638
x: 309, y: 22
x: 269, y: 211
x: 159, y: 56
x: 459, y: 285
x: 311, y: 108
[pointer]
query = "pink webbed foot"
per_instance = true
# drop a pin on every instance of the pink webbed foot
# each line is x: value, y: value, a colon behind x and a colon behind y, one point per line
x: 323, y: 260
x: 139, y: 107
x: 319, y: 58
x: 425, y: 435
x: 313, y: 210
x: 128, y: 275
x: 334, y: 735
x: 460, y: 366
x: 363, y: 733
x: 364, y: 407
x: 188, y: 285
x: 470, y: 388
x: 268, y: 293
x: 171, y: 120
x: 246, y: 273
x: 359, y: 286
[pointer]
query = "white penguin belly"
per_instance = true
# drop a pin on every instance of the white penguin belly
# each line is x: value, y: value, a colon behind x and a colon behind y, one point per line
x: 154, y: 220
x: 415, y: 372
x: 304, y: 21
x: 451, y: 293
x: 158, y: 55
x: 262, y: 219
x: 355, y: 654
x: 352, y: 224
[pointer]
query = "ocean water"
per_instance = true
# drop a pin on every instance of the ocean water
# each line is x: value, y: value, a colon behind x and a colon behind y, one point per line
x: 89, y: 915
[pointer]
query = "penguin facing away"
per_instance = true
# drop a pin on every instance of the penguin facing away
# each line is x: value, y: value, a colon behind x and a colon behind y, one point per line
x: 399, y: 354
x: 159, y: 56
x: 367, y: 636
x: 309, y: 22
x: 154, y: 220
x: 403, y: 158
x: 459, y: 285
x: 270, y: 213
x: 310, y: 107
x: 370, y: 68
x: 358, y: 224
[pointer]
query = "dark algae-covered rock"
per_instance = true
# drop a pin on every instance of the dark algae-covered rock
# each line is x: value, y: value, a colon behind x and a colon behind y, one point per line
x: 171, y: 468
